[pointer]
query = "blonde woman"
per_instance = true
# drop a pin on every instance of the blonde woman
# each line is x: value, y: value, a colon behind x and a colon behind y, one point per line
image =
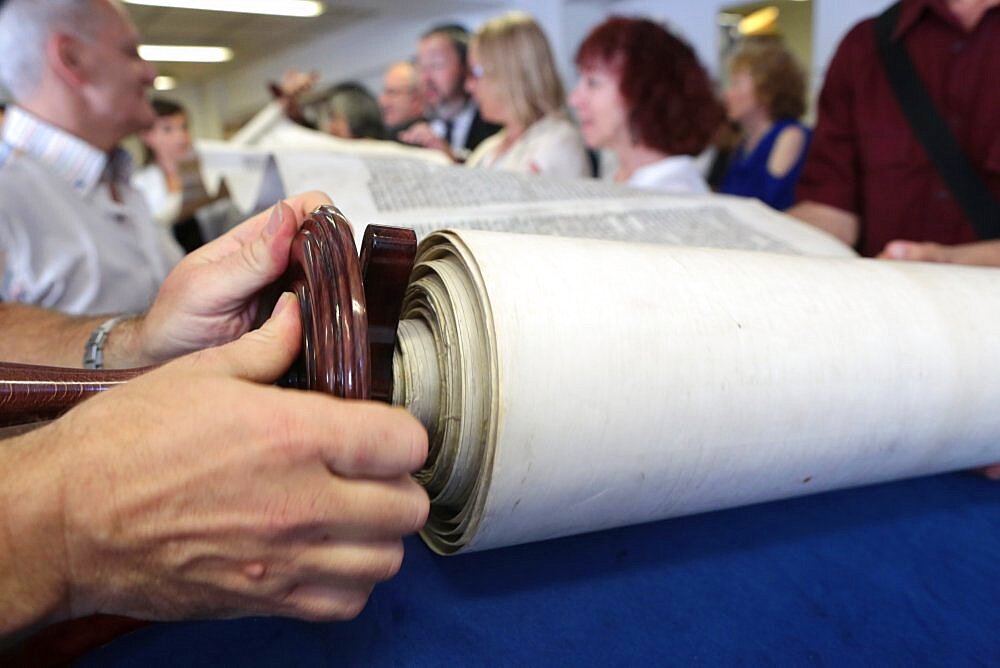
x: 513, y: 78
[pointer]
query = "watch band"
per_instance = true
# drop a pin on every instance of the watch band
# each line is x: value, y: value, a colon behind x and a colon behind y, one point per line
x: 93, y: 353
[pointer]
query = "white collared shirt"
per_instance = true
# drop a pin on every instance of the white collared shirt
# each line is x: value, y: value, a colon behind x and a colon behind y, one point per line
x: 65, y: 242
x: 460, y: 126
x: 165, y: 205
x: 676, y: 174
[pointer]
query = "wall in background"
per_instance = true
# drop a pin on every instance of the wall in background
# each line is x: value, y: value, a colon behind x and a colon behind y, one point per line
x: 364, y: 50
x: 361, y: 52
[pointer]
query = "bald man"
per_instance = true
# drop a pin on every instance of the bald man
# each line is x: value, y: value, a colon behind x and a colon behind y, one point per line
x: 401, y: 100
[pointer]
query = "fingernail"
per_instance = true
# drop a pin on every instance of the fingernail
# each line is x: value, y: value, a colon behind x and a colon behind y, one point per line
x: 283, y: 301
x: 274, y: 222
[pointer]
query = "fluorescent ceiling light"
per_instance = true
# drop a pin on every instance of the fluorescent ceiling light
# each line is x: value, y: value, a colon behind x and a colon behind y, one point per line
x: 185, y: 54
x: 760, y: 22
x: 273, y: 7
x: 163, y: 82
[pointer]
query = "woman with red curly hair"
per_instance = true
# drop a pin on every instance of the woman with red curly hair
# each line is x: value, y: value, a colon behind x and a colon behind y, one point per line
x: 644, y: 96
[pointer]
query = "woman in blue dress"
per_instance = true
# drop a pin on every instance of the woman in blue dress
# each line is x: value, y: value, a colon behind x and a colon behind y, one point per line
x: 766, y: 98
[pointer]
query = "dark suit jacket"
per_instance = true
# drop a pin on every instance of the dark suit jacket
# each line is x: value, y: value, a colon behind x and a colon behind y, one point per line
x: 478, y: 131
x: 394, y: 131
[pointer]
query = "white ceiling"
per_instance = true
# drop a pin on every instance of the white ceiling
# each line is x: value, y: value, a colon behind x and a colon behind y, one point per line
x: 255, y: 36
x: 250, y: 36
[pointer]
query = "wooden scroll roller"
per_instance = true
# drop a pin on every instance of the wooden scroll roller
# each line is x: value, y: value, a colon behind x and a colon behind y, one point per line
x: 350, y: 310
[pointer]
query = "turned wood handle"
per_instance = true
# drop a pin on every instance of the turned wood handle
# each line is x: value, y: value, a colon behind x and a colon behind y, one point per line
x: 30, y: 393
x: 387, y: 255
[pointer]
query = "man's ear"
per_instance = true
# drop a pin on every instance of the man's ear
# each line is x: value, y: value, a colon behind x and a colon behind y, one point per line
x: 66, y: 59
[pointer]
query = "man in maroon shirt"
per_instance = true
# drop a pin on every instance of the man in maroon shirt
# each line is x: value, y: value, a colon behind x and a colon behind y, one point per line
x: 867, y: 179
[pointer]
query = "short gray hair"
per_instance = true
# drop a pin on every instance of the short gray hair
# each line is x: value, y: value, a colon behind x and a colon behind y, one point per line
x: 25, y: 26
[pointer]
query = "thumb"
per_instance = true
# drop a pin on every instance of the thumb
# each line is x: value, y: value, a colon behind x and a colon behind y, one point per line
x: 261, y: 355
x: 896, y: 250
x: 257, y: 261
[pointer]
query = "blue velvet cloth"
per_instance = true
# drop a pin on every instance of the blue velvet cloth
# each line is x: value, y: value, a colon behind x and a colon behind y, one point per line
x: 897, y: 574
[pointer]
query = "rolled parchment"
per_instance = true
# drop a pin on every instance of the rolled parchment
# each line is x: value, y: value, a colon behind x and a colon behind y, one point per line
x: 570, y: 385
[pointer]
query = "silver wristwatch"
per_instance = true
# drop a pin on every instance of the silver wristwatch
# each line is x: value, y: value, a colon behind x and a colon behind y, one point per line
x: 93, y: 353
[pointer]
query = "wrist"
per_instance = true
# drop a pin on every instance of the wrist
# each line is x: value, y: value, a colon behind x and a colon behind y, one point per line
x: 123, y: 347
x: 34, y: 578
x: 982, y: 253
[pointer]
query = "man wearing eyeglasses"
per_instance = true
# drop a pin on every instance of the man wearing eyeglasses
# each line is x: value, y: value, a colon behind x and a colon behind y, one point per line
x: 455, y: 125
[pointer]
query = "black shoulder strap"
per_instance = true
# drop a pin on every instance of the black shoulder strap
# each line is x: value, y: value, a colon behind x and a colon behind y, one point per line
x: 968, y: 189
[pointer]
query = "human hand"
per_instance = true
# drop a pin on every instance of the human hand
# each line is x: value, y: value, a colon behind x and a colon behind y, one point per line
x: 296, y: 82
x: 421, y: 134
x: 193, y: 491
x: 210, y: 297
x: 978, y: 253
x: 916, y: 251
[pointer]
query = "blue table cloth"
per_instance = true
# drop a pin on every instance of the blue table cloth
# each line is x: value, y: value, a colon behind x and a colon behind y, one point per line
x: 896, y: 574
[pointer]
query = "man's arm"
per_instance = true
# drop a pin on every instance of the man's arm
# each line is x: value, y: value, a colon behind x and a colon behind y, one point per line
x: 844, y: 226
x: 420, y: 134
x: 33, y: 335
x: 299, y: 510
x: 828, y: 191
x: 208, y: 299
x: 841, y: 224
x: 31, y: 585
x: 982, y: 253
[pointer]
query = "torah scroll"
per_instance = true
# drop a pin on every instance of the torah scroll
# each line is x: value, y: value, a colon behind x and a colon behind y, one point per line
x: 570, y: 385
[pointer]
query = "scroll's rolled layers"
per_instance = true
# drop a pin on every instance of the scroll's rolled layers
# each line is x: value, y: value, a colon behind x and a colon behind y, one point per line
x: 572, y: 385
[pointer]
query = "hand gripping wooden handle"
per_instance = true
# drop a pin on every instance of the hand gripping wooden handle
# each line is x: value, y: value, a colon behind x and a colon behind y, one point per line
x: 350, y: 312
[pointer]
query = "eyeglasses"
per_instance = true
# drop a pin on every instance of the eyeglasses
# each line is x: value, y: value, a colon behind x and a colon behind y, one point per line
x: 433, y: 65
